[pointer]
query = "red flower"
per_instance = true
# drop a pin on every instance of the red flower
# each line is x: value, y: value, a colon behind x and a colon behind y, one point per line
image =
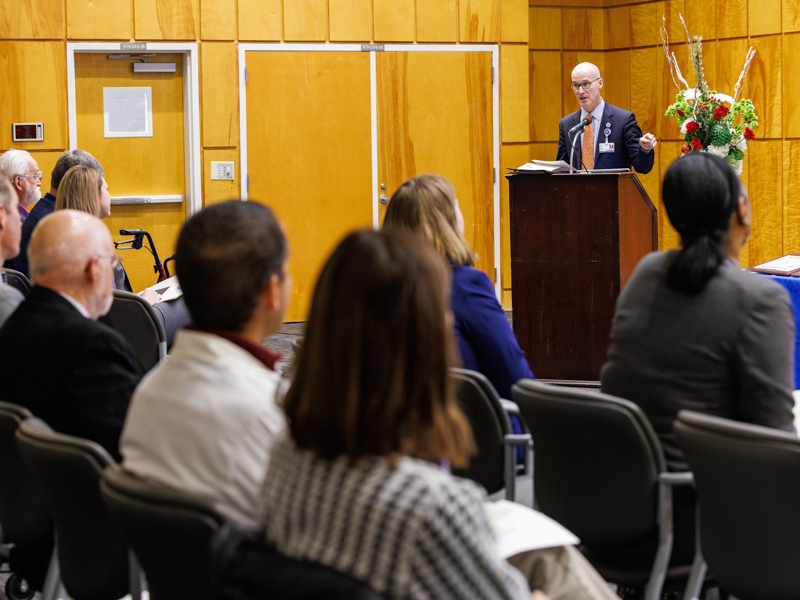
x: 697, y: 144
x: 692, y: 126
x: 686, y: 149
x: 720, y: 112
x: 748, y: 134
x: 680, y: 113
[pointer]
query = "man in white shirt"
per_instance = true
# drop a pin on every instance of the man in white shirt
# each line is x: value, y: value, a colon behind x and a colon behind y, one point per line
x: 204, y: 420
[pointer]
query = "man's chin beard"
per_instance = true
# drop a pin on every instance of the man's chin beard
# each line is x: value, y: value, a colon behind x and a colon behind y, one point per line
x: 36, y: 197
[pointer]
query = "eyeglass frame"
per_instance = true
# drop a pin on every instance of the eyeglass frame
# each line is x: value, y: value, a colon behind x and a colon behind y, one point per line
x: 585, y: 86
x: 116, y: 259
x: 39, y: 175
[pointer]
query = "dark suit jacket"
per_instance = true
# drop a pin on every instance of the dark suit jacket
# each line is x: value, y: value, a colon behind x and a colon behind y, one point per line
x: 43, y: 208
x: 74, y: 373
x: 625, y: 135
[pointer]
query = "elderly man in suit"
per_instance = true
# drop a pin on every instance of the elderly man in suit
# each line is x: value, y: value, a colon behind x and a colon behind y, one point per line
x: 55, y: 359
x: 610, y: 137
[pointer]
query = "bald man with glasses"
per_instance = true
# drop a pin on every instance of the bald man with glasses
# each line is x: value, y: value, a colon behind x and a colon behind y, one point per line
x: 604, y: 136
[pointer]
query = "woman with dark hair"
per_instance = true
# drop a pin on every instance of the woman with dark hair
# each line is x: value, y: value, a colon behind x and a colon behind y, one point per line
x: 692, y: 329
x: 426, y: 205
x: 358, y: 485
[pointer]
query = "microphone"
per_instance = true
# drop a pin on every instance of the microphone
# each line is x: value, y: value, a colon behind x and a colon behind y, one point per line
x: 579, y: 126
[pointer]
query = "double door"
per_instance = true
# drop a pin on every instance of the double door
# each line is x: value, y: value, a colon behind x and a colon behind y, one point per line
x: 330, y: 134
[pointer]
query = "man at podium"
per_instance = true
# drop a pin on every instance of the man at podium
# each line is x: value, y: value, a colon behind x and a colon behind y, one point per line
x: 608, y: 137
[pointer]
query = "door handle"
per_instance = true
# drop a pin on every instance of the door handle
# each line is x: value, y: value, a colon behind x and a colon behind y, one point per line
x: 385, y: 199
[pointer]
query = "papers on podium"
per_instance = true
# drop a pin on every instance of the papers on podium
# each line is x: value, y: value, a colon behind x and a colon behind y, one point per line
x: 169, y: 289
x: 545, y: 166
x: 785, y: 265
x: 518, y: 529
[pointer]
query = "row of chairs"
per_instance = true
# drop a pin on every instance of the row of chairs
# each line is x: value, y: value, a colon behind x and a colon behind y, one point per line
x: 600, y: 471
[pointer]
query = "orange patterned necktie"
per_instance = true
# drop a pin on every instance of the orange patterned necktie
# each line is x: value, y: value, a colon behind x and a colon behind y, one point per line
x: 588, y: 145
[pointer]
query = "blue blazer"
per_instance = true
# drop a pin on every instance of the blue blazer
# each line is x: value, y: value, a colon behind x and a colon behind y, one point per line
x: 625, y: 135
x: 485, y: 339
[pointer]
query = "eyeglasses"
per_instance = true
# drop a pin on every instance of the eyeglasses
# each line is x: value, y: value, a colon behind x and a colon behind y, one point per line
x: 116, y: 259
x: 585, y: 85
x: 39, y: 175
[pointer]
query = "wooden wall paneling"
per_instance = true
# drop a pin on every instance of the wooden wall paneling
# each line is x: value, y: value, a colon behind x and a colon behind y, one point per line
x: 791, y: 15
x: 546, y: 89
x: 260, y: 20
x: 510, y: 157
x: 617, y: 28
x: 569, y: 60
x: 514, y: 21
x: 617, y: 78
x: 479, y: 20
x: 166, y: 19
x: 668, y: 238
x: 33, y: 19
x: 514, y: 89
x: 790, y: 100
x: 764, y: 85
x: 765, y: 189
x: 394, y: 20
x: 791, y: 197
x: 34, y: 77
x: 218, y: 20
x: 744, y: 255
x: 701, y: 17
x: 730, y: 58
x: 582, y: 29
x: 305, y: 21
x: 99, y: 19
x: 764, y: 17
x: 544, y: 150
x: 731, y: 18
x: 218, y: 191
x: 544, y: 28
x: 668, y: 13
x: 644, y: 89
x: 219, y: 94
x: 645, y: 21
x: 350, y: 20
x: 437, y: 21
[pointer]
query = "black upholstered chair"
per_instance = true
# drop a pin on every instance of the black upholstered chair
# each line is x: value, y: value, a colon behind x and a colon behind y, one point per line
x: 748, y: 487
x: 24, y: 516
x: 93, y: 555
x: 170, y: 532
x: 245, y: 567
x: 137, y: 322
x: 17, y: 280
x: 599, y: 470
x: 493, y: 465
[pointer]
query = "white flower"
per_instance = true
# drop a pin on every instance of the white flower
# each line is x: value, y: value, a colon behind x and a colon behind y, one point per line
x: 738, y: 167
x: 742, y: 145
x: 683, y: 125
x: 721, y: 151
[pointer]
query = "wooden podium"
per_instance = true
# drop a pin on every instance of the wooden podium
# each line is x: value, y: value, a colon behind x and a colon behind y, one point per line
x: 575, y: 240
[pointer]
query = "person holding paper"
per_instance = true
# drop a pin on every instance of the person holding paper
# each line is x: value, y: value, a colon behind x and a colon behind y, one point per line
x: 607, y: 137
x: 360, y: 483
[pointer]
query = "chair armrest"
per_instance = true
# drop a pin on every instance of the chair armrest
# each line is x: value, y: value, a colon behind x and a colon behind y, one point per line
x: 673, y: 479
x: 509, y: 406
x: 518, y: 439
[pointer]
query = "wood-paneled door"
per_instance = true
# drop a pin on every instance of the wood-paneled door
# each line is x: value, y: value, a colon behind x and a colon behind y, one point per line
x: 326, y: 133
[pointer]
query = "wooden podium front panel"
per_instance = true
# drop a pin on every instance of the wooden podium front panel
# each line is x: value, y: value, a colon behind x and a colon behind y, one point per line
x: 565, y: 271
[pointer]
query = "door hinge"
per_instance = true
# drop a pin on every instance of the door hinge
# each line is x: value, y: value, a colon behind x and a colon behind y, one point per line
x: 492, y: 75
x: 248, y: 182
x: 495, y: 275
x: 494, y: 175
x: 245, y: 74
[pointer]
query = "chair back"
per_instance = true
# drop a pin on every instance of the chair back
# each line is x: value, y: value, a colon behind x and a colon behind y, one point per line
x: 480, y: 403
x: 17, y: 280
x: 170, y: 532
x: 92, y: 552
x: 134, y: 319
x: 23, y: 512
x: 748, y: 486
x: 596, y: 461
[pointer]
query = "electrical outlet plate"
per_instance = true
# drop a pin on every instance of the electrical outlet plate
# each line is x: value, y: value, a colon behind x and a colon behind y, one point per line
x: 221, y: 170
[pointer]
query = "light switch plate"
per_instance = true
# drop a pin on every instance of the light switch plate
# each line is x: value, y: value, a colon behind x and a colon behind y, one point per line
x: 221, y: 170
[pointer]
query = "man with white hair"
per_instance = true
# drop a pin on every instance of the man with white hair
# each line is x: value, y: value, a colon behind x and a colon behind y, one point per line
x: 55, y: 359
x: 604, y: 136
x: 10, y: 224
x: 21, y: 169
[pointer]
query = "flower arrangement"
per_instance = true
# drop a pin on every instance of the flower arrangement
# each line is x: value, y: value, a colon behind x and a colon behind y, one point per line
x: 710, y: 121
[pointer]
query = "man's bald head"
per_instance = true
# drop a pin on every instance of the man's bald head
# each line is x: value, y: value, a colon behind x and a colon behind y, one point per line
x: 587, y: 69
x: 66, y: 254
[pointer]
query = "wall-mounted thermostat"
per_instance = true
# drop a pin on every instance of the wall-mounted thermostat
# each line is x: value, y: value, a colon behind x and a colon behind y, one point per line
x: 28, y: 132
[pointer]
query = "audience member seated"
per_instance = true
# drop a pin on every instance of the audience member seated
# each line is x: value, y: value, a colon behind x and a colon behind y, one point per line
x: 22, y: 171
x: 427, y: 206
x: 46, y: 205
x: 358, y: 484
x: 205, y: 420
x: 10, y: 225
x: 55, y: 359
x: 692, y: 330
